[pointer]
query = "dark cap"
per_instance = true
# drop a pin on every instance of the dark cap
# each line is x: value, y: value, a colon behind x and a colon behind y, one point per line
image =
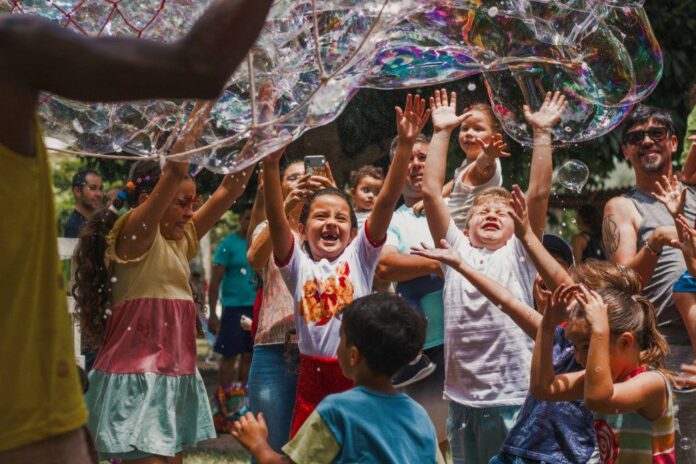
x: 558, y: 247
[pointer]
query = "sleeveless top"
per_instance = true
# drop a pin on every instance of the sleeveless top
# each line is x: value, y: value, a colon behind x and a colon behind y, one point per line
x: 631, y: 438
x: 670, y: 264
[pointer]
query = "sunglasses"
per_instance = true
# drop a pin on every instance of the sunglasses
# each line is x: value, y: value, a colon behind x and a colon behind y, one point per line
x: 657, y: 134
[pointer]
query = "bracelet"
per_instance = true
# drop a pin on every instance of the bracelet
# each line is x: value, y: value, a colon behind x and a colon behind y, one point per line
x: 651, y: 250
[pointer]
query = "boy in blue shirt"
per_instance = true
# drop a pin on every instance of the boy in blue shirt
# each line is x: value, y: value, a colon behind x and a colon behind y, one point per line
x: 372, y: 422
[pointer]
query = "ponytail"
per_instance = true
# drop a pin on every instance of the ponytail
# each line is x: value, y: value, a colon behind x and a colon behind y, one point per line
x: 654, y: 347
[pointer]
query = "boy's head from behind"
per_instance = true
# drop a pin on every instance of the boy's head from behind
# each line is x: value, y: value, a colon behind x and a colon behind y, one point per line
x: 380, y: 334
x: 488, y: 224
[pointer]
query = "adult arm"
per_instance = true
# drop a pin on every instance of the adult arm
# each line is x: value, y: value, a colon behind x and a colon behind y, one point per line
x: 398, y: 267
x: 619, y: 234
x: 39, y: 55
x: 578, y: 243
x: 213, y: 293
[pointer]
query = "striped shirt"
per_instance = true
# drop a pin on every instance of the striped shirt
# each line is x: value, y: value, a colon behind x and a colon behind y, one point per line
x: 631, y: 438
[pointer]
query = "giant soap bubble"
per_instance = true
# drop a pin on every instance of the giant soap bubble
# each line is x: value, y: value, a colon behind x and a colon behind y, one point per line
x: 316, y: 54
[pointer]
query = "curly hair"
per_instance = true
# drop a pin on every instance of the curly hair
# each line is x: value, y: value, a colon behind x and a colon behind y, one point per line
x: 365, y: 171
x: 92, y: 287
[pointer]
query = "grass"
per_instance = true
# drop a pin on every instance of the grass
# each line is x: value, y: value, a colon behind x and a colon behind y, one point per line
x: 215, y: 457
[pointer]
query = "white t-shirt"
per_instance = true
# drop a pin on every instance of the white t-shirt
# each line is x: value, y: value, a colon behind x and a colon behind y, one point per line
x: 321, y: 289
x: 487, y: 356
x: 463, y: 195
x: 362, y: 217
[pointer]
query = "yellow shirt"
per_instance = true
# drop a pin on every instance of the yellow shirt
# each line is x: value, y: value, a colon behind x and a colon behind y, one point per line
x: 40, y: 393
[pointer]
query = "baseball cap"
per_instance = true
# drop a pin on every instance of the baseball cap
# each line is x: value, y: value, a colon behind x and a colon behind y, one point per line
x: 558, y: 247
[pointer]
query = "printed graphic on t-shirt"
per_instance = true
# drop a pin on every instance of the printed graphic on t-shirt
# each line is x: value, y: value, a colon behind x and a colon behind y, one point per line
x: 323, y: 300
x: 607, y: 442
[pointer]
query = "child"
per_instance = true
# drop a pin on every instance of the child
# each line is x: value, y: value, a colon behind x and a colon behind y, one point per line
x: 372, y: 422
x: 616, y: 339
x: 479, y: 340
x: 365, y: 184
x: 146, y: 397
x: 481, y: 140
x: 335, y: 263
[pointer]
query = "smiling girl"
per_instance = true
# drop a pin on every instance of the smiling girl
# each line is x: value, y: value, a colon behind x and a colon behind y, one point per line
x: 334, y: 261
x: 146, y: 398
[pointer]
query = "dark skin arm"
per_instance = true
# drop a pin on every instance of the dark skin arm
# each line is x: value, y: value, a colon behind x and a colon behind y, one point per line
x: 38, y: 55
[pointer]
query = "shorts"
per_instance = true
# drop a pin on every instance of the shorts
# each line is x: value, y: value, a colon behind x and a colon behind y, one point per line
x: 477, y: 434
x: 232, y: 339
x: 685, y: 284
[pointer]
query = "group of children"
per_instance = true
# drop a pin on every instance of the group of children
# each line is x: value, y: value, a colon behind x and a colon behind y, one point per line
x: 544, y: 362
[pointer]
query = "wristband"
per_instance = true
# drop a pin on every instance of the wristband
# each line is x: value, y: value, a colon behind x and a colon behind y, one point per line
x: 651, y: 250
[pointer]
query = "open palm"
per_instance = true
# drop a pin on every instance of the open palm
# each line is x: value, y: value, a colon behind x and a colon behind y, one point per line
x: 444, y: 254
x: 444, y: 112
x: 670, y: 194
x: 410, y: 120
x: 550, y: 112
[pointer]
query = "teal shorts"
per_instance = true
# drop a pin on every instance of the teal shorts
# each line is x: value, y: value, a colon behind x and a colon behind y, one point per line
x: 476, y: 435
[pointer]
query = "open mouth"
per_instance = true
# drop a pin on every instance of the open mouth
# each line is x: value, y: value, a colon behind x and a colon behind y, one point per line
x: 491, y: 226
x: 331, y: 237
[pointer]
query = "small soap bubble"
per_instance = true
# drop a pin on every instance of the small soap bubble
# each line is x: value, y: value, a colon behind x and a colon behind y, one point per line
x: 114, y: 280
x: 129, y: 328
x: 243, y: 271
x: 685, y: 443
x: 108, y: 312
x: 471, y: 87
x: 133, y: 237
x: 568, y: 129
x: 573, y: 175
x: 493, y: 11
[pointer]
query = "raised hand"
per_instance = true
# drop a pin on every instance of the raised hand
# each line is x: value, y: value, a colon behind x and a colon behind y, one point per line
x: 671, y: 194
x: 518, y: 213
x: 559, y: 302
x: 189, y: 135
x: 688, y: 234
x: 550, y: 112
x: 445, y: 253
x: 444, y: 113
x: 495, y: 148
x: 410, y: 120
x: 249, y: 431
x: 595, y: 309
x: 298, y: 195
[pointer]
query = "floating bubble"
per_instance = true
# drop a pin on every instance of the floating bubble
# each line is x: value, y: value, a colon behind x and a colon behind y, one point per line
x: 114, y: 280
x: 602, y: 55
x: 573, y: 175
x: 471, y: 87
x: 685, y: 443
x: 243, y: 271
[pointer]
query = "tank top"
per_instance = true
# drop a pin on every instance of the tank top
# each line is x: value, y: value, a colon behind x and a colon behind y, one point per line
x: 631, y: 438
x: 670, y: 265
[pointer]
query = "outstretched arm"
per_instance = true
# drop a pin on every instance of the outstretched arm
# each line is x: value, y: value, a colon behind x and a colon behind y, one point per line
x: 540, y: 171
x: 525, y: 317
x: 445, y: 120
x: 689, y: 171
x: 409, y: 123
x: 483, y: 168
x: 278, y: 225
x: 548, y: 268
x: 38, y: 55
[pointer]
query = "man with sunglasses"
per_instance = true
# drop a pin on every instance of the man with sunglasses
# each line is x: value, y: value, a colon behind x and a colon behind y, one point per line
x: 637, y: 230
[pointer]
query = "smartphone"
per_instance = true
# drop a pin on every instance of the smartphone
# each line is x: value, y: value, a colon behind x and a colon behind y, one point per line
x: 315, y: 165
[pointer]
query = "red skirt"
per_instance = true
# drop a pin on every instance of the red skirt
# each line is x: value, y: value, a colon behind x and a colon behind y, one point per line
x: 318, y: 377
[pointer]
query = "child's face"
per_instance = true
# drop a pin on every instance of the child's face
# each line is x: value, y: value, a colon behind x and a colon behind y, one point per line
x: 180, y: 211
x: 476, y: 125
x: 365, y: 193
x: 328, y: 230
x: 578, y: 332
x: 490, y: 226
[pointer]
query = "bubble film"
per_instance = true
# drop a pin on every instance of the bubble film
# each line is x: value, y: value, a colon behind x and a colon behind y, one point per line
x: 316, y: 54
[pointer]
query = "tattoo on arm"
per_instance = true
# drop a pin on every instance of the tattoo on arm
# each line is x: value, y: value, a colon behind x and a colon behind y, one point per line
x: 611, y: 237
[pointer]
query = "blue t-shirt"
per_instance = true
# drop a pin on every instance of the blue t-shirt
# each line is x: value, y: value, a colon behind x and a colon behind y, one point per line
x: 379, y: 427
x: 237, y: 287
x: 556, y: 432
x: 74, y: 224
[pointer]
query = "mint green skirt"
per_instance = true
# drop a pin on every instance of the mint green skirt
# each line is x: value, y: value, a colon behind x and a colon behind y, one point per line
x: 133, y: 416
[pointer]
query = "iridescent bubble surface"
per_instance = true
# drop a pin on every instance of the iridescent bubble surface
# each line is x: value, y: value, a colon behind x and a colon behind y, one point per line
x: 602, y: 54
